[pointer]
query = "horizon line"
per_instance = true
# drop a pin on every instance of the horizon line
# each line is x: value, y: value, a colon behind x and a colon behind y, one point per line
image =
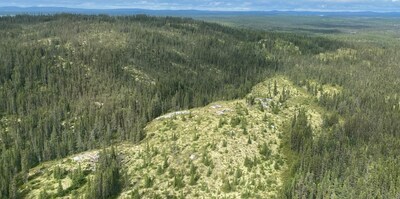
x: 206, y: 10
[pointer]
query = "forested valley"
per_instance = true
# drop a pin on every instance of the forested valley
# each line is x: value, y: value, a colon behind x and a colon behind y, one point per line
x: 74, y: 83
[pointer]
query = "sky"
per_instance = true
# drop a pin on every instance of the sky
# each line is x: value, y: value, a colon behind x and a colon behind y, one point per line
x: 223, y: 5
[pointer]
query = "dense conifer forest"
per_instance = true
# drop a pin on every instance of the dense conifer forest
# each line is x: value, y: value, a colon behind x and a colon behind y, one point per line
x: 73, y: 83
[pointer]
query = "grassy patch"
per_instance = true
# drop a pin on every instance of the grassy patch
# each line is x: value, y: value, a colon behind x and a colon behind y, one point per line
x: 230, y: 149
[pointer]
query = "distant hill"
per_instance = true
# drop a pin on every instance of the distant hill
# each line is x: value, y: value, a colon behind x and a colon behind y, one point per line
x: 130, y: 11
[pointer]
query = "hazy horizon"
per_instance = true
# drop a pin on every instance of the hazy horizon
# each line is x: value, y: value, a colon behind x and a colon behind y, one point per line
x: 222, y: 5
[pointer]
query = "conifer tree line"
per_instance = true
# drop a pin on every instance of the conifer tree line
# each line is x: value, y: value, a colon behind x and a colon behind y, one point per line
x: 356, y: 154
x: 70, y: 83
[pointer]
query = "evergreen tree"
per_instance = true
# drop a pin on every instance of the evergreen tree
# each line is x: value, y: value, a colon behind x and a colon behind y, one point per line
x: 106, y: 182
x: 300, y: 132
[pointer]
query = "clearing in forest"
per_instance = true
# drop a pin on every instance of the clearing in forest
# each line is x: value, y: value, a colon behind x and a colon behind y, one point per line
x: 229, y: 149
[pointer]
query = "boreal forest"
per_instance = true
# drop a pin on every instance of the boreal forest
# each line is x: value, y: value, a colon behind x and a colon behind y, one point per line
x: 98, y: 106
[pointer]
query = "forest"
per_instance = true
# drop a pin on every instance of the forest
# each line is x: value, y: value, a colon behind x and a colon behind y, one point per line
x: 74, y: 83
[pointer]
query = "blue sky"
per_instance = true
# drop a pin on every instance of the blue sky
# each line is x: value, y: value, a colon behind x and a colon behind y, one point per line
x: 227, y: 5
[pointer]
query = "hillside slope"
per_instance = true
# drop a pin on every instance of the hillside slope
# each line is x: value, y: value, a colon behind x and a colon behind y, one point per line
x: 226, y: 149
x: 72, y: 83
x: 71, y: 86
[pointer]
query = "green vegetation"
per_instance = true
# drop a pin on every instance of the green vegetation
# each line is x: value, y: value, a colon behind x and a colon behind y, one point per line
x: 99, y: 80
x: 221, y: 162
x: 300, y: 132
x: 251, y: 113
x: 106, y: 182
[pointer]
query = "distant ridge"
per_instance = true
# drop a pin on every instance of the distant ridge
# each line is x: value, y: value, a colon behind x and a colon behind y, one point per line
x: 132, y: 11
